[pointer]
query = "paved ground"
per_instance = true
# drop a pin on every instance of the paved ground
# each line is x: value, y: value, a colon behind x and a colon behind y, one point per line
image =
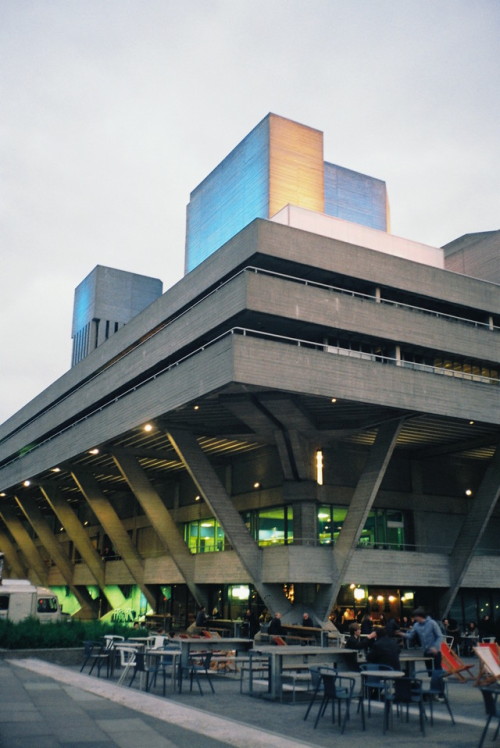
x: 48, y: 706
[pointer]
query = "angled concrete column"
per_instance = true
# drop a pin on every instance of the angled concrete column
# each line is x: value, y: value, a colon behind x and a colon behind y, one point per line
x: 17, y: 568
x: 361, y: 503
x: 160, y: 518
x: 79, y: 537
x: 37, y: 567
x: 53, y: 547
x: 113, y: 527
x: 214, y: 493
x: 472, y: 530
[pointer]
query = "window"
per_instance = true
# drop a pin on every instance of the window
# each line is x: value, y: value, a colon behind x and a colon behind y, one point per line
x: 4, y: 602
x: 384, y: 528
x: 267, y: 526
x: 47, y: 605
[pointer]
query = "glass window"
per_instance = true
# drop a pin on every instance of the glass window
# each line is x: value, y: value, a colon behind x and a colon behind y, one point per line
x: 47, y: 605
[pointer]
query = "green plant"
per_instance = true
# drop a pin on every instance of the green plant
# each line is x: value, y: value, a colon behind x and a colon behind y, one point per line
x: 31, y: 634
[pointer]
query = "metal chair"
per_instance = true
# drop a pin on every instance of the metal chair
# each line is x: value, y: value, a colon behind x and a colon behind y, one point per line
x: 438, y: 690
x: 372, y: 684
x: 96, y: 653
x: 338, y: 690
x: 490, y: 698
x: 404, y: 692
x: 198, y: 665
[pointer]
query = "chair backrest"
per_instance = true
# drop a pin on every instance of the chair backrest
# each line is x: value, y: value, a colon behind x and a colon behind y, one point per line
x: 490, y: 696
x: 493, y: 647
x: 279, y: 641
x: 488, y: 659
x: 127, y: 655
x: 450, y: 658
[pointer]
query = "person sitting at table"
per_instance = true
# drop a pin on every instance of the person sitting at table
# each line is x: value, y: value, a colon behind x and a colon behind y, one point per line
x: 452, y: 630
x: 275, y: 627
x: 307, y: 620
x: 384, y: 650
x: 354, y: 640
x: 470, y: 638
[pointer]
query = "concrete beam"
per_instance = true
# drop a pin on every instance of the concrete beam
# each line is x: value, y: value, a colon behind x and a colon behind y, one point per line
x: 160, y: 518
x: 37, y: 568
x: 39, y: 524
x: 472, y: 530
x: 16, y: 565
x: 79, y: 537
x: 364, y: 495
x: 113, y: 527
x: 221, y: 506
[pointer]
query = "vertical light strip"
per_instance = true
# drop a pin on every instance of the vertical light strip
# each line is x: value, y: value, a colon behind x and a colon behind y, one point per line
x: 319, y: 467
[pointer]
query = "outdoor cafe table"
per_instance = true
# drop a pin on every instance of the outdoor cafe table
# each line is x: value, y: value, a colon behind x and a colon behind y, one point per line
x: 174, y: 654
x: 387, y: 675
x: 409, y: 659
x: 190, y: 645
x: 299, y: 657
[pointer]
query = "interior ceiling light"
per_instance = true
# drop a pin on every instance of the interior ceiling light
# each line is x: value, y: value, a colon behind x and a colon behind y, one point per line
x: 3, y: 494
x: 196, y: 407
x: 468, y: 492
x: 148, y: 427
x: 56, y: 470
x: 26, y: 483
x: 94, y: 451
x: 471, y: 423
x: 256, y: 484
x: 333, y: 400
x: 197, y: 498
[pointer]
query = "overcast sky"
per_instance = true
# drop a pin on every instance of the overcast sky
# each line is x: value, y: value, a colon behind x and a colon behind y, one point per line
x: 112, y: 111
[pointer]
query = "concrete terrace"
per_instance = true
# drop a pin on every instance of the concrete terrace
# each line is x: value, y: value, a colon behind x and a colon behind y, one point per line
x: 46, y: 705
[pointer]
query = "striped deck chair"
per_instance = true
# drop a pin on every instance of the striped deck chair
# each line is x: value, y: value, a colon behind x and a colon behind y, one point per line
x: 453, y: 664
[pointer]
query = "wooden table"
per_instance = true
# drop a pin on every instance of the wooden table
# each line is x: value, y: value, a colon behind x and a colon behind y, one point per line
x: 290, y: 656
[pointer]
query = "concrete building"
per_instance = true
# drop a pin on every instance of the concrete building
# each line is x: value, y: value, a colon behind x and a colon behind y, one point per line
x: 309, y: 419
x: 279, y: 163
x: 104, y: 301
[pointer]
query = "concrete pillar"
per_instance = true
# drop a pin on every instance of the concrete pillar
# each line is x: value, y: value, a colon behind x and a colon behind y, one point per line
x: 364, y: 495
x: 53, y: 547
x: 16, y: 564
x: 472, y: 530
x: 160, y: 519
x: 79, y: 537
x: 113, y: 527
x: 37, y: 567
x: 220, y: 504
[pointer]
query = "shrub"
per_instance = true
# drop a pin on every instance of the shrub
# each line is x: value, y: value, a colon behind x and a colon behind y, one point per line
x: 31, y: 634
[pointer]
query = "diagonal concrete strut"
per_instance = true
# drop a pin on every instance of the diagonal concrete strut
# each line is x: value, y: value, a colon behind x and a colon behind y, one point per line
x: 472, y: 530
x: 216, y: 497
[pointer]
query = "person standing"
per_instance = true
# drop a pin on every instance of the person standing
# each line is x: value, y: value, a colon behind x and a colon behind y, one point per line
x: 428, y: 633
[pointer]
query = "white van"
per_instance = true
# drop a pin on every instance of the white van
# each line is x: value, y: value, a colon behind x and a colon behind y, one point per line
x: 20, y: 599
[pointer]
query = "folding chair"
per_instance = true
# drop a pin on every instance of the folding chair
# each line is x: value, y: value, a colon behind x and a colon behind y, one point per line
x: 453, y: 664
x: 489, y: 668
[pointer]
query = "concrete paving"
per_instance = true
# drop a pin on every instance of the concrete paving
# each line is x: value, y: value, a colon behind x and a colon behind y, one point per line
x: 47, y: 706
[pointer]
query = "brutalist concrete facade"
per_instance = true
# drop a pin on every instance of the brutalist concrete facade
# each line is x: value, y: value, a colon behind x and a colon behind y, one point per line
x: 280, y: 345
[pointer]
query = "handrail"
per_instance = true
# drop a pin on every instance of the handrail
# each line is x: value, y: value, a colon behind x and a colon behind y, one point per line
x: 260, y: 271
x: 298, y: 342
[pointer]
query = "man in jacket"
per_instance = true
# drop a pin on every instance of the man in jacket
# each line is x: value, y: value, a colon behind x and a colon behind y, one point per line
x: 429, y: 635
